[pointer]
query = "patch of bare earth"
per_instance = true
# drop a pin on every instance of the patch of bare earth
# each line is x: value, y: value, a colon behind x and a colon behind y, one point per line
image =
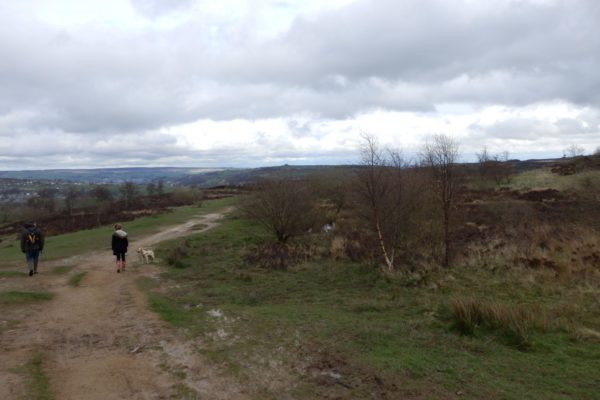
x: 100, y: 341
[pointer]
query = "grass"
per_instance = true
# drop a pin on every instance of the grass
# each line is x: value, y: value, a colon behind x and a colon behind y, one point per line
x: 144, y: 283
x: 75, y: 280
x: 69, y: 244
x: 11, y: 274
x: 16, y: 297
x: 184, y: 392
x: 62, y: 269
x: 169, y: 310
x: 512, y: 322
x: 37, y: 382
x: 365, y: 324
x: 543, y: 178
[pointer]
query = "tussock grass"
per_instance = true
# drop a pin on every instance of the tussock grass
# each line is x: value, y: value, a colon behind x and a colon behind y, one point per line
x: 514, y: 323
x: 16, y: 297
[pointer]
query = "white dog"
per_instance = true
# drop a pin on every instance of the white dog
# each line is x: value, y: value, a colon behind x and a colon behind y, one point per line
x: 146, y: 254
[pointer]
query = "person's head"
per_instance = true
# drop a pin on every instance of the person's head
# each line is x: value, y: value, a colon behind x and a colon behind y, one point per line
x: 118, y: 226
x: 30, y: 224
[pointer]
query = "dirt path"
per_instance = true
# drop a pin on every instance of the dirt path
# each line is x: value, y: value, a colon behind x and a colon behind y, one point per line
x: 100, y: 341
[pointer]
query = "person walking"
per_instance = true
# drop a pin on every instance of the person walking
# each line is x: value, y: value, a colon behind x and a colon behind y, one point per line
x: 32, y: 244
x: 119, y: 246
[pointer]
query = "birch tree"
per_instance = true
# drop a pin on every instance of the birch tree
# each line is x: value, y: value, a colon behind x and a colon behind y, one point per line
x: 440, y: 155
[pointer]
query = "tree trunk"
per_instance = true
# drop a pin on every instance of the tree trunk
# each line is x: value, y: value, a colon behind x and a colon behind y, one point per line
x: 388, y: 260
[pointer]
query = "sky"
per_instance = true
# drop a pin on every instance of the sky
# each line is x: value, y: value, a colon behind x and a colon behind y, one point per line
x: 249, y: 83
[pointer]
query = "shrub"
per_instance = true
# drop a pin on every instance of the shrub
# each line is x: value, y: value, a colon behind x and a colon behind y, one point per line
x: 285, y: 208
x: 512, y: 322
x: 278, y: 256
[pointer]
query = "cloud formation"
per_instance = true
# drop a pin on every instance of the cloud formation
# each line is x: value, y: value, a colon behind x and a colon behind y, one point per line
x: 291, y: 80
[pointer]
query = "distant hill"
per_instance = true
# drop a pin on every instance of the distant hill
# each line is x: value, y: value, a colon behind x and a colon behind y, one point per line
x: 108, y: 175
x: 238, y: 177
x: 201, y: 177
x: 211, y: 177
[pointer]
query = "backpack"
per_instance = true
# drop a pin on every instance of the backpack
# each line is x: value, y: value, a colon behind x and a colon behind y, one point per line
x: 33, y: 239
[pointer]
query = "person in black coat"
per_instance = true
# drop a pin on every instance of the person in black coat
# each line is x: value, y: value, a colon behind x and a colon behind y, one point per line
x: 32, y: 244
x: 119, y: 246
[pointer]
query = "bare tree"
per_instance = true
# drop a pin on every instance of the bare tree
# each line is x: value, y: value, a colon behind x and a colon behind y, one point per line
x: 440, y: 155
x: 160, y: 187
x: 102, y: 193
x: 46, y: 199
x: 373, y: 187
x: 387, y: 198
x: 283, y: 207
x: 574, y: 151
x: 71, y: 195
x: 128, y: 192
x: 104, y: 198
x: 494, y: 166
x: 4, y: 213
x: 151, y: 188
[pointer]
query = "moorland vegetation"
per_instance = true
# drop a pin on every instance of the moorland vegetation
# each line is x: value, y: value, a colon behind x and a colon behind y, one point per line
x: 428, y: 279
x: 402, y: 279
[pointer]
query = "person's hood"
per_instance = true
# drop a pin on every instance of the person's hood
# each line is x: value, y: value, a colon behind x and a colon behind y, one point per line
x: 29, y: 225
x: 30, y: 229
x: 120, y: 233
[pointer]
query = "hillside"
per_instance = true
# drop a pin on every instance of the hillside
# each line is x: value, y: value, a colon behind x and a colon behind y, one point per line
x: 211, y: 177
x: 107, y: 175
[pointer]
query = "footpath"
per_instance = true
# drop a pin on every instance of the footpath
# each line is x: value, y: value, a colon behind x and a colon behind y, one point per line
x: 99, y: 340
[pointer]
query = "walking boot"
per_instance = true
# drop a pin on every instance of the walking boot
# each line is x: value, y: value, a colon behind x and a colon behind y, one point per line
x: 118, y: 267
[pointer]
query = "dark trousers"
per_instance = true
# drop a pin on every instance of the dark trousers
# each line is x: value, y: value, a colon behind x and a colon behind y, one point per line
x: 32, y: 257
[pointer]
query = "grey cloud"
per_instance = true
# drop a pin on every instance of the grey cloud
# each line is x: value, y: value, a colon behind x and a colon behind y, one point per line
x: 300, y: 129
x: 157, y: 8
x: 370, y: 55
x: 553, y: 49
x: 519, y: 129
x: 584, y: 127
x: 373, y: 54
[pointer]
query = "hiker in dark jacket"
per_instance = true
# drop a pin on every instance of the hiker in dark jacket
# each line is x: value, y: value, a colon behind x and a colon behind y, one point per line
x: 32, y: 244
x: 119, y: 246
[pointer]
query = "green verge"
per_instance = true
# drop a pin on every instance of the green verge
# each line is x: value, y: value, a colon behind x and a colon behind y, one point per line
x: 15, y: 297
x: 377, y: 323
x: 69, y: 244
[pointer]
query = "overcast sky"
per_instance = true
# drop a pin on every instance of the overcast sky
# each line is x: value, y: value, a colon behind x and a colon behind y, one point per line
x: 93, y: 83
